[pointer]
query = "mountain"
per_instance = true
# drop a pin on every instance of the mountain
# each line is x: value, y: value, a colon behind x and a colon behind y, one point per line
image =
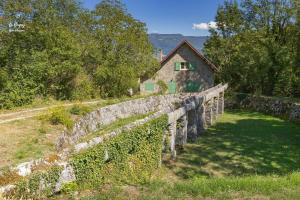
x: 167, y: 42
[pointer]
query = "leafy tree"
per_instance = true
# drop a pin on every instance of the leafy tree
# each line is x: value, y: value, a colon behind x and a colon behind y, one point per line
x: 254, y: 46
x: 67, y: 52
x: 125, y: 49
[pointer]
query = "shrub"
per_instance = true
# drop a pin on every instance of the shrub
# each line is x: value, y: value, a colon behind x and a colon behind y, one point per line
x: 7, y: 176
x: 39, y: 185
x: 84, y: 88
x: 59, y: 115
x: 162, y: 87
x: 79, y: 109
x: 68, y: 188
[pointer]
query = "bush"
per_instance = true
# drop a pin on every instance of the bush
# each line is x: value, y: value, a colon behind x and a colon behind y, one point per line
x: 84, y: 88
x: 16, y: 94
x: 162, y: 87
x: 59, y: 115
x: 79, y: 109
x: 68, y: 188
x: 38, y: 185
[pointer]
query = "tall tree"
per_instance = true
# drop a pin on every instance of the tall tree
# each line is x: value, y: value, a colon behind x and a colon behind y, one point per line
x: 125, y: 49
x: 256, y: 51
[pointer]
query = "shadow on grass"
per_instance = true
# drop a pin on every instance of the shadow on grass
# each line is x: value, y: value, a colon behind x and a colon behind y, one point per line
x: 242, y: 143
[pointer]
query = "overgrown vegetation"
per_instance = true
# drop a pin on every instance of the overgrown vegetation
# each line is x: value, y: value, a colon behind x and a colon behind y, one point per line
x: 39, y: 185
x: 129, y: 157
x: 162, y: 87
x: 244, y: 156
x: 59, y: 115
x: 257, y: 46
x: 58, y: 49
x: 79, y: 109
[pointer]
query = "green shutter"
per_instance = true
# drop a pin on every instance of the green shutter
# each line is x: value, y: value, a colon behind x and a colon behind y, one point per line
x: 172, y: 87
x: 192, y: 66
x: 177, y: 66
x: 149, y: 87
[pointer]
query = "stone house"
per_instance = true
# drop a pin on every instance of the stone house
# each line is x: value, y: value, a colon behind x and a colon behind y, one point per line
x: 183, y: 70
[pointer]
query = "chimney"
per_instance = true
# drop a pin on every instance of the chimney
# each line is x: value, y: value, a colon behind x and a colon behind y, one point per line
x: 161, y: 55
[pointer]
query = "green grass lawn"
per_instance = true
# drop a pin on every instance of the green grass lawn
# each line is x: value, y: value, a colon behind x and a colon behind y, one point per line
x: 242, y: 143
x: 243, y: 156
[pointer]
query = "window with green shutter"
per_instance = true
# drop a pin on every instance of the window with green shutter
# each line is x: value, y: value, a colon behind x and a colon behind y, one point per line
x: 192, y: 66
x: 177, y: 66
x: 149, y: 87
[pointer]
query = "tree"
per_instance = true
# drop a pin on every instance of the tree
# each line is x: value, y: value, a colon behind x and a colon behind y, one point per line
x: 254, y: 46
x: 67, y: 52
x: 126, y: 53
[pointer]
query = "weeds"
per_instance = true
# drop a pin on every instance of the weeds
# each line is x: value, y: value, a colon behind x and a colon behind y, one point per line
x: 59, y: 115
x: 79, y: 109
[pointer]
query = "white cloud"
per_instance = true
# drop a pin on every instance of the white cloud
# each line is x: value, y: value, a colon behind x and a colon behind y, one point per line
x: 205, y: 26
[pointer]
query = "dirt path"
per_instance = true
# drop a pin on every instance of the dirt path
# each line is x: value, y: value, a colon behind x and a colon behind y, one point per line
x: 29, y: 113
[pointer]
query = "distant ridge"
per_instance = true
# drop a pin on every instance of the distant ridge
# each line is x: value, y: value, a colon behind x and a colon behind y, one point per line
x: 167, y: 42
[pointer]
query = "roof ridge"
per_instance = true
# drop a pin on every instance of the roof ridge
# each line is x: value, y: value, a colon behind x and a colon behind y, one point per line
x: 185, y: 41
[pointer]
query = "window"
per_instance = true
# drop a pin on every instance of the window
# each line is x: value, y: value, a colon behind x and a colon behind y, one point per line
x: 183, y: 66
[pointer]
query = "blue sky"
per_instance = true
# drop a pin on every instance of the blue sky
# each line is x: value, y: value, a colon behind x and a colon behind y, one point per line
x: 171, y: 16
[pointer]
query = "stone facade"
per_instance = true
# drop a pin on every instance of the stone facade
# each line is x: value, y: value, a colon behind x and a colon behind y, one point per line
x: 202, y: 74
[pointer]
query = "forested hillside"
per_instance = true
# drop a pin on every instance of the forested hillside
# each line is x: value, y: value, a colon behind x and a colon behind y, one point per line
x: 257, y: 46
x: 167, y: 42
x: 55, y: 48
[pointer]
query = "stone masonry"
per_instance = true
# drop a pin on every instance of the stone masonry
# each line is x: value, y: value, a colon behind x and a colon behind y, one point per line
x: 186, y: 122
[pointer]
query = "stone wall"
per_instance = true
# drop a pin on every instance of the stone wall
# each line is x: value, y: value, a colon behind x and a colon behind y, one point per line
x: 199, y: 111
x: 109, y: 114
x: 274, y: 106
x: 187, y: 119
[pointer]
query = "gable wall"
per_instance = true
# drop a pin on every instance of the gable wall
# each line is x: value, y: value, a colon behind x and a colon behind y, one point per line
x: 202, y: 75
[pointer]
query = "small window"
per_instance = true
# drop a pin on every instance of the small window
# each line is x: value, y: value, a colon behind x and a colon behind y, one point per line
x: 183, y: 66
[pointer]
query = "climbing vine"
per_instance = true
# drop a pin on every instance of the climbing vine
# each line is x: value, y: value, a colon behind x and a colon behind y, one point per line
x: 129, y: 157
x: 39, y: 185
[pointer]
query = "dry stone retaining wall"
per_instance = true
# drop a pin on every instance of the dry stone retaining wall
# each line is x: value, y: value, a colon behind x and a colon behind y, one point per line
x: 109, y: 114
x: 268, y: 105
x: 188, y: 116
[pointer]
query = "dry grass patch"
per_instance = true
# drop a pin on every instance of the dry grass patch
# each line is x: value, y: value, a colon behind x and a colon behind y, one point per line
x: 27, y: 139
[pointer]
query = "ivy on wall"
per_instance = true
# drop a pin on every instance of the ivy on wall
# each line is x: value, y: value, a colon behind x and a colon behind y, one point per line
x: 129, y: 157
x: 39, y: 185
